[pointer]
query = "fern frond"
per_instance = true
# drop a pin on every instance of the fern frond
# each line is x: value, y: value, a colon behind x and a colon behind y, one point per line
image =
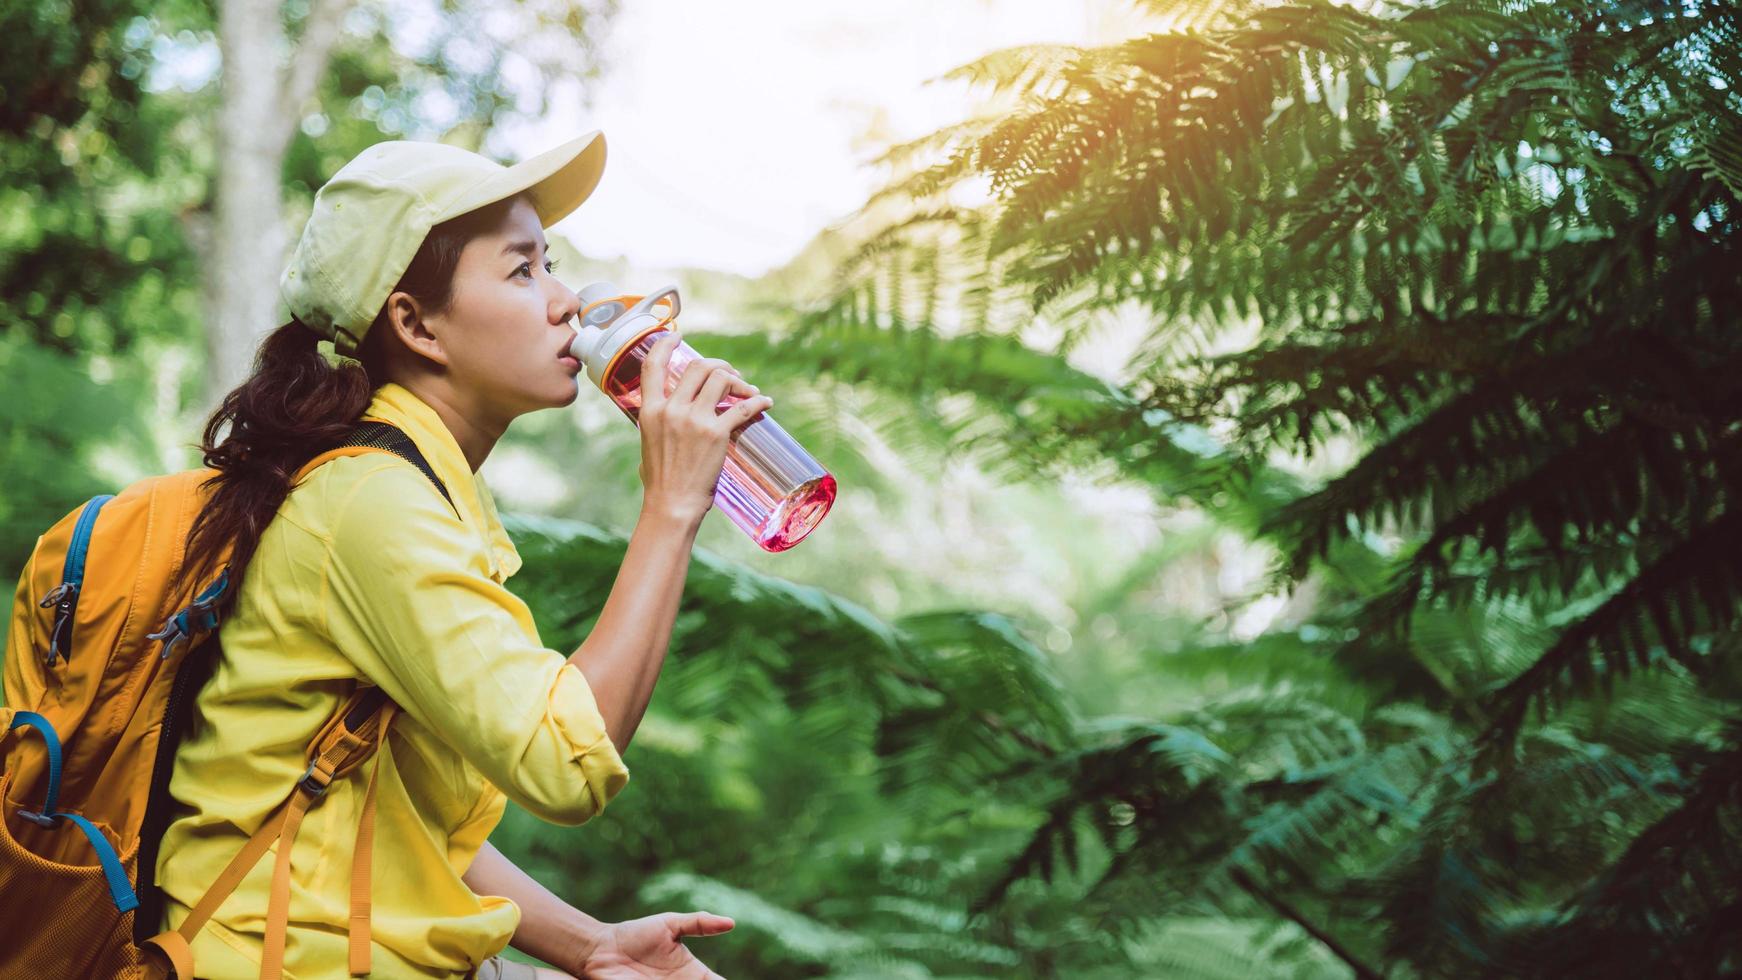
x: 1692, y: 587
x: 1023, y: 70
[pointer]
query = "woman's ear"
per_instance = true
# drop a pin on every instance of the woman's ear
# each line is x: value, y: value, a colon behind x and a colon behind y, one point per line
x: 405, y: 317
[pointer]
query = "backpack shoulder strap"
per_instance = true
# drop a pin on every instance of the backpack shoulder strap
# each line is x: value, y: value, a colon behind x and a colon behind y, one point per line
x: 353, y: 734
x: 374, y: 435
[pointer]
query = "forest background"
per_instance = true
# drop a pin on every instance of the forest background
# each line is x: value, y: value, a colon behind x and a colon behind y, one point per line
x: 1287, y: 454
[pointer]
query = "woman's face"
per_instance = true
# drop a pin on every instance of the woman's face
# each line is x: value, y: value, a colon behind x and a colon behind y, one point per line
x: 506, y: 332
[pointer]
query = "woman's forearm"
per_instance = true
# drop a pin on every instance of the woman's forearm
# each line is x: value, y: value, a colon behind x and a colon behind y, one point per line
x: 550, y: 928
x: 622, y: 656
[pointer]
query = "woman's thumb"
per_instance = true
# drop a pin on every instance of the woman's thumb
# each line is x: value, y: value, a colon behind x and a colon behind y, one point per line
x: 703, y: 924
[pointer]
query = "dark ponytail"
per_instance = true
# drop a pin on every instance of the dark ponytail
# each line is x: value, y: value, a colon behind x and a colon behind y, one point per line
x: 296, y: 405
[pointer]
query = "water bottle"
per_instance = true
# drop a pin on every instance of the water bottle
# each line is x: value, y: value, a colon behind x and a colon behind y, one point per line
x: 769, y: 486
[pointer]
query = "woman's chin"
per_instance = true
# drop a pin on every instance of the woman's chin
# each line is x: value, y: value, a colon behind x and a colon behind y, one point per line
x: 566, y: 392
x: 547, y: 392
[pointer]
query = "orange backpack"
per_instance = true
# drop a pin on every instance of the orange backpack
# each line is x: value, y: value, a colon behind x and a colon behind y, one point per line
x: 102, y: 666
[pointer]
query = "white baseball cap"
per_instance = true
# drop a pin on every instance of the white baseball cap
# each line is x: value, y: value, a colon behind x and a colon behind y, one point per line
x: 370, y: 218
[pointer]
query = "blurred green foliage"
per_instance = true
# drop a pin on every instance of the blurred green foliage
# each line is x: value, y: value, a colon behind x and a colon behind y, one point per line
x: 1439, y: 303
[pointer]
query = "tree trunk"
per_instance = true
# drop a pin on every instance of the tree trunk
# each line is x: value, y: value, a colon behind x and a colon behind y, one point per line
x: 261, y: 101
x: 248, y: 240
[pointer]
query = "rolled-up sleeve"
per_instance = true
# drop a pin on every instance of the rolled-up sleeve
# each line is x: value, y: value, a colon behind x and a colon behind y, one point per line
x: 409, y: 599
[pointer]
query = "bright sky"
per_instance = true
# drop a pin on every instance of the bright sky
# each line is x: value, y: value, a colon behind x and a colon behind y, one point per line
x: 735, y: 130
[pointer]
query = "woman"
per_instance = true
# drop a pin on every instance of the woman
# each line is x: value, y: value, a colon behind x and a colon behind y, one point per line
x: 427, y: 263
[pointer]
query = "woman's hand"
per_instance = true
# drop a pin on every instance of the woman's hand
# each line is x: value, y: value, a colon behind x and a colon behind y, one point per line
x: 652, y: 947
x: 683, y: 435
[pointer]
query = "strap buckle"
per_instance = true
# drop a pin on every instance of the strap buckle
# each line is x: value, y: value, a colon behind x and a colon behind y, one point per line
x: 314, y: 787
x: 174, y: 634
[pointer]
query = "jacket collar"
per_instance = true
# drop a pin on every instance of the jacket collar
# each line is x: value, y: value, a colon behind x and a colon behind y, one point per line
x: 396, y: 404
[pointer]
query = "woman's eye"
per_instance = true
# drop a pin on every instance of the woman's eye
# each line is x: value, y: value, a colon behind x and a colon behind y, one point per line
x: 527, y: 268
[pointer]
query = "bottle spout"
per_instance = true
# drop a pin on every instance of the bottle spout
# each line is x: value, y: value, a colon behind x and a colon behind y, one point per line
x: 601, y: 305
x: 585, y: 346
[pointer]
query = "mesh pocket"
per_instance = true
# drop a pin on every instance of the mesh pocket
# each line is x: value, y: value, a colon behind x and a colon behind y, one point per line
x: 60, y: 919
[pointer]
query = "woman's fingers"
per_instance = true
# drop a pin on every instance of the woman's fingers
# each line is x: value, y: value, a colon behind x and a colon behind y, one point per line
x: 738, y: 386
x: 708, y: 376
x: 744, y: 411
x: 653, y: 371
x: 714, y: 391
x: 694, y: 375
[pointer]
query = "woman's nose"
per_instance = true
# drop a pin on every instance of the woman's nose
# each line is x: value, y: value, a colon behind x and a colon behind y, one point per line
x: 565, y: 303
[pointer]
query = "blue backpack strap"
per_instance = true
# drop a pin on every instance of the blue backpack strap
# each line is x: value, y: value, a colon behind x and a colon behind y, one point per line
x: 52, y: 740
x: 120, y: 889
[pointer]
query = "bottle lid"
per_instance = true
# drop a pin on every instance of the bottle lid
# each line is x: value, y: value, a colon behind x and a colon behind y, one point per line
x: 604, y: 329
x: 596, y: 291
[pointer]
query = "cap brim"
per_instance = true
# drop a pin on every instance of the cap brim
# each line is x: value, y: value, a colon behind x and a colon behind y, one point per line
x: 558, y: 180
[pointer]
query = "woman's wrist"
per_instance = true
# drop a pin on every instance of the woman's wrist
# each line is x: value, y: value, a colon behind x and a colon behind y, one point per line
x: 550, y: 929
x: 583, y: 935
x: 664, y: 513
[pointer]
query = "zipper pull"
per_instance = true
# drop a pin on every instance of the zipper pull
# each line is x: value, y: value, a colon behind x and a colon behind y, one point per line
x: 61, y: 598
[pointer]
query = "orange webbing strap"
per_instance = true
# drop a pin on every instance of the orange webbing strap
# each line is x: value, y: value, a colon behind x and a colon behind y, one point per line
x: 361, y: 856
x: 176, y: 944
x: 278, y: 905
x: 329, y: 456
x: 171, y: 947
x: 337, y: 750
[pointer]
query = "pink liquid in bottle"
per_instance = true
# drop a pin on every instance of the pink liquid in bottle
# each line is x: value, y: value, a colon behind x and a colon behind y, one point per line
x: 769, y: 486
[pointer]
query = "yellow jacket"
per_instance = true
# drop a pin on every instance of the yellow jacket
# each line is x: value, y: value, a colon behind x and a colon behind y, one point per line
x: 367, y: 574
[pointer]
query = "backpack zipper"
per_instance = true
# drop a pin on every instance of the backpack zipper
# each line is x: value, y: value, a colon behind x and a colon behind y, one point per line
x: 65, y: 596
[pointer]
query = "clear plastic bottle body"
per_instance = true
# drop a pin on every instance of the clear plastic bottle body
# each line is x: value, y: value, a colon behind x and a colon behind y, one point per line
x: 769, y: 486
